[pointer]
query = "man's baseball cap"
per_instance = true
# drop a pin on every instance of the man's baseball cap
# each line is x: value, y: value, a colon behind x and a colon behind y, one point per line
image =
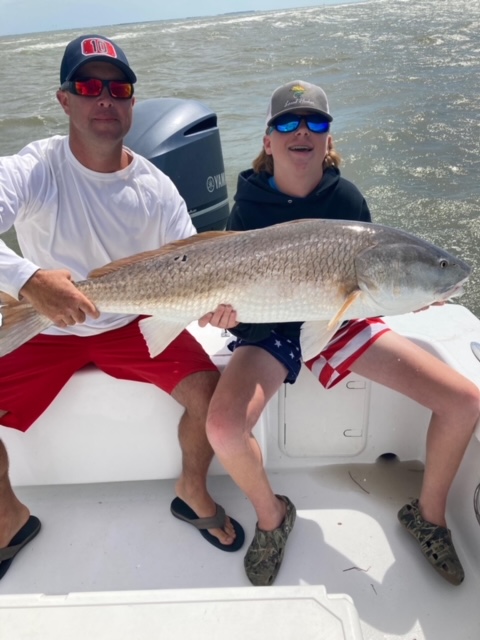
x: 298, y: 95
x: 93, y: 48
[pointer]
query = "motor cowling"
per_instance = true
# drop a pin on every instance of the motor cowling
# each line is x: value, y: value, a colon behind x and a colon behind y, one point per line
x: 182, y: 139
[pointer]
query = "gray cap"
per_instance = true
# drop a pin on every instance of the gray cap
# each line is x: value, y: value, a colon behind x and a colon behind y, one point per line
x: 298, y: 95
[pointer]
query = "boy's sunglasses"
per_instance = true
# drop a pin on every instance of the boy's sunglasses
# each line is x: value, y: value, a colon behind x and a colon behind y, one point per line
x: 290, y: 122
x: 93, y: 87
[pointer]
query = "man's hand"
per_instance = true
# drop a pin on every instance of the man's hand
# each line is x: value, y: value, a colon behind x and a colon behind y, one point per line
x: 53, y: 294
x: 223, y: 317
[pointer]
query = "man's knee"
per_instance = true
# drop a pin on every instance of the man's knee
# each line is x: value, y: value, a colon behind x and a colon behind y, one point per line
x: 3, y: 459
x: 196, y: 390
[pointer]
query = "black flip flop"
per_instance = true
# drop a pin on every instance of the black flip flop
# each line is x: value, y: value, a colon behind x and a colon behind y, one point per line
x: 19, y: 540
x: 182, y: 511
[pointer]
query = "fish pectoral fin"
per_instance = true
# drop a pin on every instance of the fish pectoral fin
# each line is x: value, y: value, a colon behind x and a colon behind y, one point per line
x: 349, y: 301
x: 159, y: 333
x: 314, y: 336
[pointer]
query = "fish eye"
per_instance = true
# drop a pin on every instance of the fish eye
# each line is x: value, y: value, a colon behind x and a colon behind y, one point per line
x: 443, y: 264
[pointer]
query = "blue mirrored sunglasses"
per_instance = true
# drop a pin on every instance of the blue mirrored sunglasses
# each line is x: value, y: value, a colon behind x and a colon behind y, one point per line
x: 290, y: 122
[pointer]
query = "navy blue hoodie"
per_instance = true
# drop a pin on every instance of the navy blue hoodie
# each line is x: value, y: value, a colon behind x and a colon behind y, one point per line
x: 258, y: 205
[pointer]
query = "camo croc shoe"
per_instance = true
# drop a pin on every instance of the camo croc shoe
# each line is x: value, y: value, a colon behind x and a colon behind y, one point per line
x: 435, y: 543
x: 265, y: 554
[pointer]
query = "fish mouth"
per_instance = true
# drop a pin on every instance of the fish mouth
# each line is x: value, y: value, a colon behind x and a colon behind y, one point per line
x: 453, y: 292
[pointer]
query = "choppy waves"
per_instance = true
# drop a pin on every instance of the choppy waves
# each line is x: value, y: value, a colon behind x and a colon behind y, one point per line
x: 402, y: 78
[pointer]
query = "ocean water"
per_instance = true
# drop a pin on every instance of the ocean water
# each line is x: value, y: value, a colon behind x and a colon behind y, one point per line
x: 402, y: 76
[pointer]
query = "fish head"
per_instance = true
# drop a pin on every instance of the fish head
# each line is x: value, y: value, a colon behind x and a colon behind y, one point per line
x: 408, y: 275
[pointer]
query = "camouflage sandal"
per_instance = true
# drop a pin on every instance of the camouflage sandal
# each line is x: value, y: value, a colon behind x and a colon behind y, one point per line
x: 265, y: 554
x: 435, y: 543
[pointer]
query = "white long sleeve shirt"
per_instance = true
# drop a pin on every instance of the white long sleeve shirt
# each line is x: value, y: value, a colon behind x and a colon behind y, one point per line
x: 67, y: 216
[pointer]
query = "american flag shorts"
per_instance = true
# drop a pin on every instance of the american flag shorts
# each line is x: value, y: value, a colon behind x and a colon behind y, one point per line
x: 352, y: 339
x: 331, y: 365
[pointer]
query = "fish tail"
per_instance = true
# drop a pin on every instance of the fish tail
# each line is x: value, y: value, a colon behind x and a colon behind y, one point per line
x: 19, y: 322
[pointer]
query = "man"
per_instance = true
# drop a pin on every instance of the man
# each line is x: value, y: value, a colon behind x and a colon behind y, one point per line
x: 78, y: 202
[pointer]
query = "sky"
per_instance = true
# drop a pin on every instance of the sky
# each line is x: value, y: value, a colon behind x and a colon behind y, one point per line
x: 29, y: 16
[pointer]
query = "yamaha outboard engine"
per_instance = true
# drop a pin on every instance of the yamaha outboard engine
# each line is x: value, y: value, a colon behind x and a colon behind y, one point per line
x: 182, y: 139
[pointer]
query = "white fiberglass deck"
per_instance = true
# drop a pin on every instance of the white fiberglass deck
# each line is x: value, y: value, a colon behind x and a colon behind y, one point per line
x: 121, y: 537
x: 350, y: 570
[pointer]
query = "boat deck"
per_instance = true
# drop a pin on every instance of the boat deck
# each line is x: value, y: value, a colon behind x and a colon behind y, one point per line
x: 112, y: 563
x: 121, y: 537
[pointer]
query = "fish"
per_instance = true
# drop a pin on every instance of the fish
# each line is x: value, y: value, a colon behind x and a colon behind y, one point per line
x: 319, y: 272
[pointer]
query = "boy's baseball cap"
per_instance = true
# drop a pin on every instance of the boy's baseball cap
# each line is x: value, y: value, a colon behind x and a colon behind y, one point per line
x: 298, y: 95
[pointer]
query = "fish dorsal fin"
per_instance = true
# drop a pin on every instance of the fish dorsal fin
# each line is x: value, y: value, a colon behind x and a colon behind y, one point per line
x: 293, y: 222
x: 156, y: 253
x: 350, y: 299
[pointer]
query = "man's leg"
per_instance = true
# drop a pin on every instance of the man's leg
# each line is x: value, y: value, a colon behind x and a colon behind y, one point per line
x: 23, y: 374
x: 13, y: 514
x: 186, y: 372
x: 194, y: 393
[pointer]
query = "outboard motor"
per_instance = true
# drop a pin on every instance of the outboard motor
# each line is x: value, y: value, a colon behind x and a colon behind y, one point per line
x: 182, y: 139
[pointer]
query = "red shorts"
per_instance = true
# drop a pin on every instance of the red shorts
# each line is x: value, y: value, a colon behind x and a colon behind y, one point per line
x: 32, y: 375
x: 352, y: 339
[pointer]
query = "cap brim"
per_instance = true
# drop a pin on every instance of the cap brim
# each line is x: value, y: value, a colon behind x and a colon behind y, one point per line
x: 129, y: 74
x: 326, y: 115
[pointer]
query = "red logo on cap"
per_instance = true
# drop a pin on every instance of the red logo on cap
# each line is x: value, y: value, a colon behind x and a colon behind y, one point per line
x: 98, y: 47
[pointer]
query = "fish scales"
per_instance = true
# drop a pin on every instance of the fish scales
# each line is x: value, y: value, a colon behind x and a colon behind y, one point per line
x: 266, y: 276
x: 259, y: 273
x: 317, y: 271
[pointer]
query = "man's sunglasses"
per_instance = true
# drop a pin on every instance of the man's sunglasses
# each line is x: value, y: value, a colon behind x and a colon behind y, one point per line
x: 290, y: 122
x: 93, y: 87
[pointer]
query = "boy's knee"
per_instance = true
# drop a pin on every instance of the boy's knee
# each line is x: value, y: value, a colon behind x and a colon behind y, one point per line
x: 467, y: 403
x: 222, y: 432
